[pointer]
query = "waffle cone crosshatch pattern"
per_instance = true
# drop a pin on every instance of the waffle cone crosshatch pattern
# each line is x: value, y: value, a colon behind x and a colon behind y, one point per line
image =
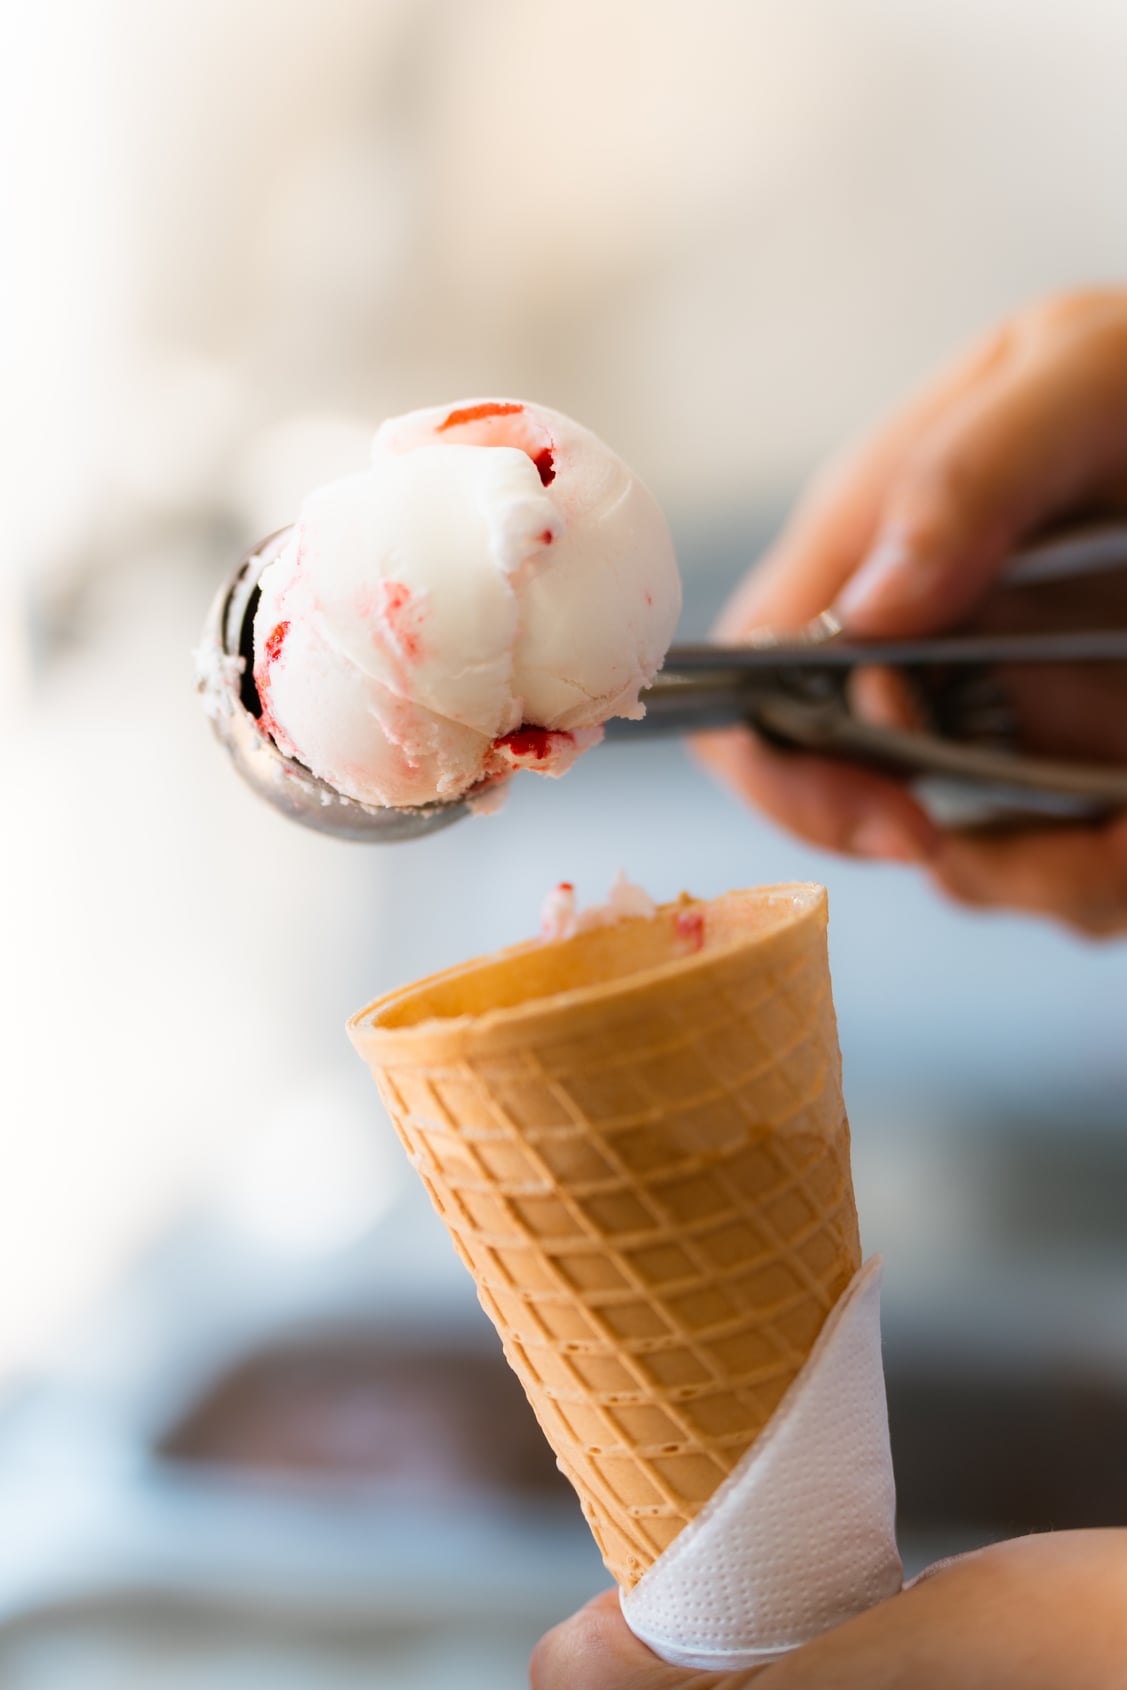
x: 642, y: 1155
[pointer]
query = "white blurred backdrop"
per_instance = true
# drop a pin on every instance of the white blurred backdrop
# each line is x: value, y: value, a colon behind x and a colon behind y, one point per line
x: 724, y: 233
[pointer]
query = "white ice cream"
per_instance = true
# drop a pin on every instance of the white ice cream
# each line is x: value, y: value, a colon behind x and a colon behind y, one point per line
x: 561, y: 917
x: 493, y: 589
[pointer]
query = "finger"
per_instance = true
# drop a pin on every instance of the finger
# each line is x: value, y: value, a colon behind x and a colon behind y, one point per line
x: 1040, y: 1613
x: 1039, y: 434
x: 1071, y: 712
x: 837, y: 805
x: 843, y: 810
x: 596, y: 1650
x: 885, y: 698
x: 1075, y: 874
x: 834, y: 524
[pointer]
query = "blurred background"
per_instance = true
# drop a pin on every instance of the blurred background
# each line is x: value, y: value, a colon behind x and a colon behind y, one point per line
x: 249, y: 1411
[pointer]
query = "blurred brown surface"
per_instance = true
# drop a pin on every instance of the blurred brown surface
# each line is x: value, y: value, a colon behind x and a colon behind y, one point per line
x: 387, y: 1414
x: 1020, y: 1452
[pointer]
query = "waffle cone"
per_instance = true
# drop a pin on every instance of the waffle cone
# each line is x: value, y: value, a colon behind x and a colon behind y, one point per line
x: 639, y: 1146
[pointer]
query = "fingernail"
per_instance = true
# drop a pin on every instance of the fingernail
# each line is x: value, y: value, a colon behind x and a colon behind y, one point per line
x: 887, y: 577
x: 890, y: 841
x: 825, y: 626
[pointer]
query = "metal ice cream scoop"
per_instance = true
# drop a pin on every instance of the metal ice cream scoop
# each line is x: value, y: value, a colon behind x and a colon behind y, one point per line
x: 791, y: 690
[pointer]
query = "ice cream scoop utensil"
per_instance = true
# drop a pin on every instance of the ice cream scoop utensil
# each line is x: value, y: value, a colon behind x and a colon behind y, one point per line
x: 795, y: 690
x: 795, y: 695
x: 225, y: 665
x: 791, y: 690
x: 816, y: 718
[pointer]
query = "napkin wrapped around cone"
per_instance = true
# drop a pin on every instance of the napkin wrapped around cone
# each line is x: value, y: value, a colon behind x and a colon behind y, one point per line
x: 637, y: 1140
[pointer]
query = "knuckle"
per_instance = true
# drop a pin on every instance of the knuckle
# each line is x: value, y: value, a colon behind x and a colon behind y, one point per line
x: 941, y: 479
x: 1079, y: 315
x: 1098, y: 909
x: 1061, y: 310
x: 998, y: 346
x: 544, y: 1665
x: 967, y: 897
x: 571, y: 1657
x: 1099, y: 919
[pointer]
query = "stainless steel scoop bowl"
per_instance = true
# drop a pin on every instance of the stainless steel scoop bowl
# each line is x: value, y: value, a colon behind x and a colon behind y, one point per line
x: 791, y: 689
x: 225, y: 663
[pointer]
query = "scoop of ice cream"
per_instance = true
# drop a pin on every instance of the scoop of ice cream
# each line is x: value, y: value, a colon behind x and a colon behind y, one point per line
x: 483, y: 598
x: 561, y: 916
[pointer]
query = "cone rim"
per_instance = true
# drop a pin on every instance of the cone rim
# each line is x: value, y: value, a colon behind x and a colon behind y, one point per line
x: 808, y: 903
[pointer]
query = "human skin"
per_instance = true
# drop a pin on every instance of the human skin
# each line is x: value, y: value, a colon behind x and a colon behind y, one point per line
x: 905, y: 535
x: 1039, y: 1613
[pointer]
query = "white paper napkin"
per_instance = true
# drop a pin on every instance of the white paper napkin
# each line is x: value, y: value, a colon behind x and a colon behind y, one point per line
x: 802, y: 1534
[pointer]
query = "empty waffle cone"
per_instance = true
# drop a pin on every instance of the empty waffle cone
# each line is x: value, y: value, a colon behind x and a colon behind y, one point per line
x: 637, y: 1140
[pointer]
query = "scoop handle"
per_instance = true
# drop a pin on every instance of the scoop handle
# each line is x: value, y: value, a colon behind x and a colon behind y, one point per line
x: 791, y: 690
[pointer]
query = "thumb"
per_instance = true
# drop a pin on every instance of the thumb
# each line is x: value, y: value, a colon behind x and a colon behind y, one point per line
x: 1029, y: 443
